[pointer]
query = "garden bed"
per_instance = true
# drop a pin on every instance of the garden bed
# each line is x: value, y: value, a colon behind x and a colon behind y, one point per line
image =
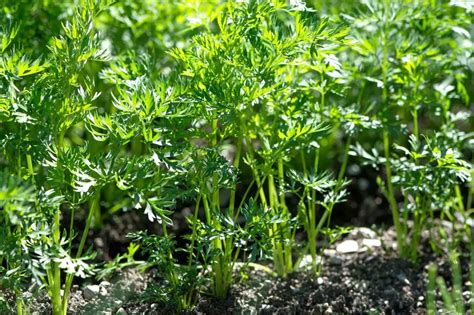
x: 361, y: 274
x: 214, y: 157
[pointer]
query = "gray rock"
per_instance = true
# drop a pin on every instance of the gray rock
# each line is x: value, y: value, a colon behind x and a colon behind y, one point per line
x: 335, y: 260
x: 91, y: 291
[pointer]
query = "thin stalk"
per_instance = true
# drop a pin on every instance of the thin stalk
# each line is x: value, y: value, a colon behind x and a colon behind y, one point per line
x: 459, y: 200
x: 391, y: 196
x: 345, y: 159
x: 56, y: 284
x: 430, y: 294
x: 285, y: 227
x: 19, y: 307
x: 277, y: 246
x: 207, y: 211
x: 415, y: 123
x: 244, y: 198
x: 323, y: 219
x: 255, y: 174
x: 221, y: 267
x: 71, y: 229
x: 236, y: 166
x: 215, y: 194
x: 97, y: 215
x: 55, y: 277
x: 218, y: 285
x: 315, y: 168
x: 193, y: 235
x: 85, y: 233
x: 386, y: 141
x: 457, y: 286
x: 312, y: 229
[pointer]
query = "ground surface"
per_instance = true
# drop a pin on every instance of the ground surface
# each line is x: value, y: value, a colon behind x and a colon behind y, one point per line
x: 361, y: 275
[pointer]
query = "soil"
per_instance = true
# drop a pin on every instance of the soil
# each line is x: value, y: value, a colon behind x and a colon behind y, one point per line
x: 368, y: 279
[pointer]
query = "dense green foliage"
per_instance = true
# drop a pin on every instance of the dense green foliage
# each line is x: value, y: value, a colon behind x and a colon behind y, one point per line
x: 250, y: 111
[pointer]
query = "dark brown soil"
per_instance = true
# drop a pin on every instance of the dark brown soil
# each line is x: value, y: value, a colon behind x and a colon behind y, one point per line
x: 368, y: 280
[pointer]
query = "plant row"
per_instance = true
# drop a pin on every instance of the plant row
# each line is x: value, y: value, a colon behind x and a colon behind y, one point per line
x: 250, y: 111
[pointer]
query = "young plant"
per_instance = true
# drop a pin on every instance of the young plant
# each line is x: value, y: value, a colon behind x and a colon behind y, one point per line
x: 245, y: 83
x: 428, y: 174
x: 42, y: 101
x: 453, y: 301
x: 405, y: 77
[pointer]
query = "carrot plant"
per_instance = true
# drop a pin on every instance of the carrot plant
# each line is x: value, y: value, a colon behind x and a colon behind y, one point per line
x: 245, y: 81
x: 43, y: 99
x: 408, y: 77
x: 453, y: 301
x: 245, y: 111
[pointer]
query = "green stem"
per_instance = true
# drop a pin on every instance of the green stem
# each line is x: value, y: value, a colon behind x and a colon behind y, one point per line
x: 244, y: 198
x: 207, y: 210
x: 85, y: 233
x: 55, y: 276
x: 284, y: 226
x: 430, y: 300
x: 313, y: 230
x: 56, y: 285
x: 255, y: 173
x: 391, y: 196
x: 415, y: 123
x: 343, y: 168
x: 236, y: 166
x: 19, y: 307
x: 193, y: 235
x: 277, y: 246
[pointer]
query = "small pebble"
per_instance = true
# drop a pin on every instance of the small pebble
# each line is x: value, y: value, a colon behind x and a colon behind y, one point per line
x: 349, y: 246
x: 91, y: 291
x: 362, y: 232
x: 121, y: 311
x: 371, y: 242
x: 329, y: 252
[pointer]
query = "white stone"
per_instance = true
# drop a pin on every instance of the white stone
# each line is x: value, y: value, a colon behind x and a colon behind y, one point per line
x: 121, y: 311
x: 349, y: 246
x: 361, y: 232
x: 91, y: 291
x: 329, y: 252
x: 307, y: 261
x: 103, y: 291
x: 371, y: 242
